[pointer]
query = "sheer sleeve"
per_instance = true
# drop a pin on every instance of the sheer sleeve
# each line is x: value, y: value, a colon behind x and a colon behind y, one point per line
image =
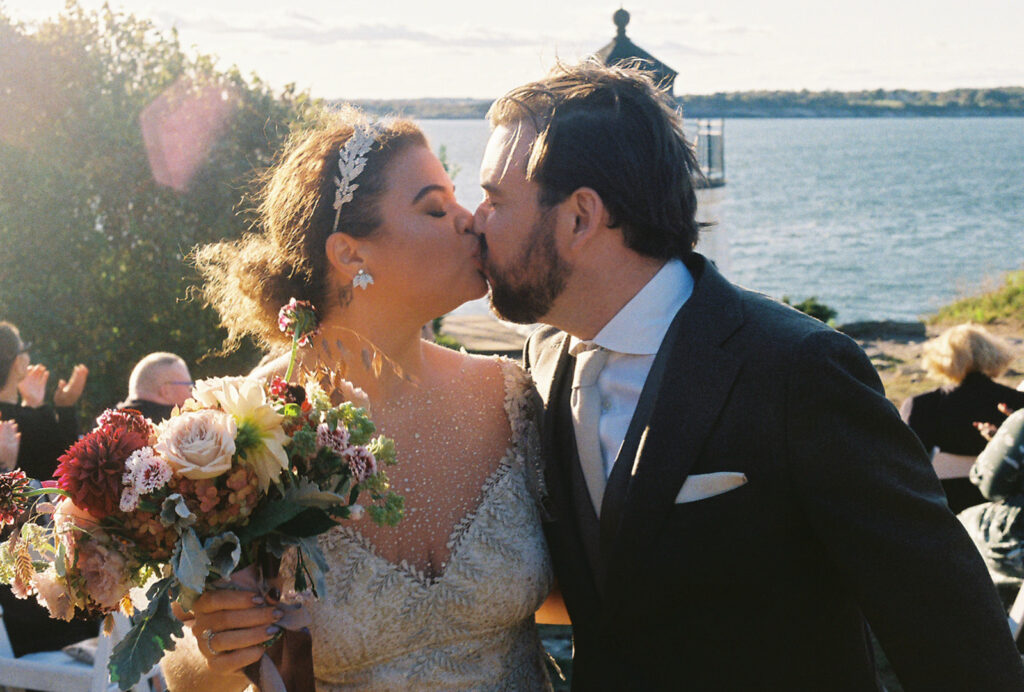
x: 524, y: 407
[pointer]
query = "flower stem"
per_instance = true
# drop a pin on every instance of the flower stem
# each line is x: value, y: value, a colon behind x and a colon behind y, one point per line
x: 291, y: 362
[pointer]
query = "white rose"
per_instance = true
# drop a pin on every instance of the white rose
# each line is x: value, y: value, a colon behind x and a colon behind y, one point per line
x: 198, y: 444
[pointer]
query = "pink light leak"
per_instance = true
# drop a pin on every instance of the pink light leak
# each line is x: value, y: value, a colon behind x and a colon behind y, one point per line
x: 180, y: 128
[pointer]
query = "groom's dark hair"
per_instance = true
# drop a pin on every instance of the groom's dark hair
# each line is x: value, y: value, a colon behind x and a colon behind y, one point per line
x: 612, y: 130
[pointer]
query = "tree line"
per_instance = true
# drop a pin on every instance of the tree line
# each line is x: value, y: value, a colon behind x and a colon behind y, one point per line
x: 1003, y: 101
x: 119, y: 153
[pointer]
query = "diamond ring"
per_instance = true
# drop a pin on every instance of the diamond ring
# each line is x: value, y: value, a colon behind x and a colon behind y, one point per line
x: 207, y: 636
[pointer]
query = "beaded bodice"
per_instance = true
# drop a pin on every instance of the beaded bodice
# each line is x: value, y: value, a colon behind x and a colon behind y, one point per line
x: 388, y: 626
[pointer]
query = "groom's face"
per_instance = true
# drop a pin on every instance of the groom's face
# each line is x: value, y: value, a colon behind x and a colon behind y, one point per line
x: 521, y: 261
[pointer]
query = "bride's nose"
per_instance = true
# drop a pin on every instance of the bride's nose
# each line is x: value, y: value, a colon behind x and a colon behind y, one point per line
x: 463, y: 219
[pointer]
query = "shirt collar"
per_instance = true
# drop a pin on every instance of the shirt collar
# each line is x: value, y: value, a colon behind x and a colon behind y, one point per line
x: 640, y: 326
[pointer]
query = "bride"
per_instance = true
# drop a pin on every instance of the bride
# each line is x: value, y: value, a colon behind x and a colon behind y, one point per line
x: 360, y: 219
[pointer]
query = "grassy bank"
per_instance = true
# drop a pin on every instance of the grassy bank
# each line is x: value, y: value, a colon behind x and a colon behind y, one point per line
x: 1004, y: 303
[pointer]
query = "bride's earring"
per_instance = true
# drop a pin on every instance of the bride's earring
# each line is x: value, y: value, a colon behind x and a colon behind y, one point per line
x: 362, y: 279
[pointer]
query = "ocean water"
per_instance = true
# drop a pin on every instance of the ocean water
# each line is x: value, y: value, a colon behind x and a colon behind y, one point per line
x: 878, y: 218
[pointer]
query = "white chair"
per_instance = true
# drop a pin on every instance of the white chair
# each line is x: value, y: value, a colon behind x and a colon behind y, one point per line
x: 55, y: 671
x: 948, y: 466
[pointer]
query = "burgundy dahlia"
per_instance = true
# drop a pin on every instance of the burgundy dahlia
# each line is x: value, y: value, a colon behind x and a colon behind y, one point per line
x: 91, y: 470
x: 126, y: 419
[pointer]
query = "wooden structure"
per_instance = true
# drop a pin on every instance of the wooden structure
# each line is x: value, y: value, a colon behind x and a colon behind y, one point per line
x: 710, y: 137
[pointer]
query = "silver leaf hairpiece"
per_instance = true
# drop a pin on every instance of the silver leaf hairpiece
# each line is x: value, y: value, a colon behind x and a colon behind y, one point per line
x: 351, y: 162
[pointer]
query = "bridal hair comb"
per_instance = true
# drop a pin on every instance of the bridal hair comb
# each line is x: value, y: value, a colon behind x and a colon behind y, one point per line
x: 351, y: 162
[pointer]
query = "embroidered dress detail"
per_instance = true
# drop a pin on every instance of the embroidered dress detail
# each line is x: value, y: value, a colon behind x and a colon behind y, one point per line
x: 387, y: 626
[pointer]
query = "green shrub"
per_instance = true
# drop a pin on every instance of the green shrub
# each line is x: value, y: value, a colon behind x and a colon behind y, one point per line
x: 813, y: 307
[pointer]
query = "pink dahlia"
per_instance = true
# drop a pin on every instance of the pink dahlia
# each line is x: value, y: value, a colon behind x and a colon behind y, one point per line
x: 92, y: 469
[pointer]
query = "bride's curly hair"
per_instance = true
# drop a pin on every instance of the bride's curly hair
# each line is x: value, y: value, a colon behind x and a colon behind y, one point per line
x: 284, y: 254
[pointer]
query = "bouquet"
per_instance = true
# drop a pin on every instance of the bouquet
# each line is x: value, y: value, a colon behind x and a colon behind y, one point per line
x: 241, y: 474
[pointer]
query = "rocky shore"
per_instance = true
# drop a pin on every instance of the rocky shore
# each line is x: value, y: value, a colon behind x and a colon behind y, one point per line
x: 895, y: 351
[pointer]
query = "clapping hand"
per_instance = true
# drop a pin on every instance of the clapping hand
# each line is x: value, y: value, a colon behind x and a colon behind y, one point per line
x: 10, y: 439
x: 68, y: 392
x: 33, y: 387
x: 988, y: 430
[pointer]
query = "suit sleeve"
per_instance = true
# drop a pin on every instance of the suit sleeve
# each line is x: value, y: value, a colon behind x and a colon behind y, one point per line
x: 868, y: 491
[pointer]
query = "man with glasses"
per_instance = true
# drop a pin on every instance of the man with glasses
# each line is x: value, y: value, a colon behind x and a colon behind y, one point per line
x: 158, y: 383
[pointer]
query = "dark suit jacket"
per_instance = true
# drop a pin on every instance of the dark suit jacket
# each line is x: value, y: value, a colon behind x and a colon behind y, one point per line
x: 769, y: 586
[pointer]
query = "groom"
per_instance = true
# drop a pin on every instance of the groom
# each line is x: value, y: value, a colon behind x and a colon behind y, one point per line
x: 732, y: 501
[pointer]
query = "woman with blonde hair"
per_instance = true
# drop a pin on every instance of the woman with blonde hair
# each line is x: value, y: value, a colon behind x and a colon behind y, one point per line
x: 968, y: 357
x: 360, y: 219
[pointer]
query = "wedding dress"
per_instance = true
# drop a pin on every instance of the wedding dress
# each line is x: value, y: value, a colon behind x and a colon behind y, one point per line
x: 387, y: 626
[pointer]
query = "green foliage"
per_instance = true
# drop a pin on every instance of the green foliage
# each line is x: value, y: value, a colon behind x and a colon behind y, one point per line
x: 813, y: 307
x: 1004, y: 303
x: 145, y: 644
x: 93, y: 251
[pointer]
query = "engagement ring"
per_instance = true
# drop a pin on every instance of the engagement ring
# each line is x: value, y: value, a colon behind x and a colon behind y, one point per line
x: 208, y: 635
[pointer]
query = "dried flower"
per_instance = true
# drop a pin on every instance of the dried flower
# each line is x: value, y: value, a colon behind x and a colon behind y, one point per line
x: 13, y: 502
x: 92, y: 469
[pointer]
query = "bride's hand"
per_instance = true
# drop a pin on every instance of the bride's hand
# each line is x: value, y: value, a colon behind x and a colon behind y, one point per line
x: 230, y: 628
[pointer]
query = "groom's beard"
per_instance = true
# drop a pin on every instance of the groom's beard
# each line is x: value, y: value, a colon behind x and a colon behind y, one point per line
x: 524, y: 290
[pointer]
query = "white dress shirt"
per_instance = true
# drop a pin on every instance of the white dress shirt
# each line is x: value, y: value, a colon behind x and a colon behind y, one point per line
x: 633, y: 338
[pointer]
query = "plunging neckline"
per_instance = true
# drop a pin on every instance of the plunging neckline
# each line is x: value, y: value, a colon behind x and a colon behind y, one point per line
x: 454, y: 541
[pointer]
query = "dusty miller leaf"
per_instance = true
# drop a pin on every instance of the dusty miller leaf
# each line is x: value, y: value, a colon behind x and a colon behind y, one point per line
x: 149, y: 637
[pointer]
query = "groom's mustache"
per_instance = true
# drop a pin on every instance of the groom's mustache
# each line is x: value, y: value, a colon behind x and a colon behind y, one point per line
x: 483, y: 246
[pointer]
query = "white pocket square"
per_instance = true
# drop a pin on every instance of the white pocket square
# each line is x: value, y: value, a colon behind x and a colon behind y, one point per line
x: 704, y: 485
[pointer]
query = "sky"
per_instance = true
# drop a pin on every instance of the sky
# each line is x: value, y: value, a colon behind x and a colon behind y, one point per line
x: 459, y: 49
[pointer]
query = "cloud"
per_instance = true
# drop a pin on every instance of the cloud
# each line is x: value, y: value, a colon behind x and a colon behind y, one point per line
x: 292, y: 26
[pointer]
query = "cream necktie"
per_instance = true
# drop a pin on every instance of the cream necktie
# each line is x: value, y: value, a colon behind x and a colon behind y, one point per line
x: 585, y: 404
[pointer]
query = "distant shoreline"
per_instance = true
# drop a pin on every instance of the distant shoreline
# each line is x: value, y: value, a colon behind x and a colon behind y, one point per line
x: 878, y: 103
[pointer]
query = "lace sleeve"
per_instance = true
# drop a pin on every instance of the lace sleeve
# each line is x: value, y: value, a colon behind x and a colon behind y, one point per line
x: 524, y: 408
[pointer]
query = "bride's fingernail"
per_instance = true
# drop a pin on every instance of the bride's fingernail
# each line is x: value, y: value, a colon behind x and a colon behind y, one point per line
x: 258, y: 600
x: 278, y: 614
x: 273, y: 629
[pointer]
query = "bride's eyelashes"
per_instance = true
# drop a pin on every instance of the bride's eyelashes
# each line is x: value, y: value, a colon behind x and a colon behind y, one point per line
x: 438, y: 214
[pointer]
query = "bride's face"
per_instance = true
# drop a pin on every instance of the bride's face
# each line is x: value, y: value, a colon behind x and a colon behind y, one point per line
x: 424, y: 256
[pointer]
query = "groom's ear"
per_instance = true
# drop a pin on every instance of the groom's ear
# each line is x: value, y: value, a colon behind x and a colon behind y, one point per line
x: 588, y: 213
x: 343, y: 255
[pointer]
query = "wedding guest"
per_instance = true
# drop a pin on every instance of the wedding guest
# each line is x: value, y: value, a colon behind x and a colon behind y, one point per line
x: 45, y: 432
x: 997, y: 526
x: 158, y: 383
x: 968, y: 357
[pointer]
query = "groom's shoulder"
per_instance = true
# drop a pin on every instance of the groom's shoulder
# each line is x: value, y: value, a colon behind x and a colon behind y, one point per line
x: 543, y: 340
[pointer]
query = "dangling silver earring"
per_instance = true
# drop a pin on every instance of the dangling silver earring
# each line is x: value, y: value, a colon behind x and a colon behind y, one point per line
x: 362, y: 279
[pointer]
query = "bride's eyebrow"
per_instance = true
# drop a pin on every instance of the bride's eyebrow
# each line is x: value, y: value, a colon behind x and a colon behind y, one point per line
x: 427, y: 190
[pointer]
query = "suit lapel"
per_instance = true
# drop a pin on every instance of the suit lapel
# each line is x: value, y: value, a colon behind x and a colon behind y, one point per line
x: 697, y: 380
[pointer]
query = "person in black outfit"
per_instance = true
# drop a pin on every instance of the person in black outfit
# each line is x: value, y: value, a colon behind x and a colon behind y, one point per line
x: 968, y: 356
x: 46, y: 432
x: 158, y: 383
